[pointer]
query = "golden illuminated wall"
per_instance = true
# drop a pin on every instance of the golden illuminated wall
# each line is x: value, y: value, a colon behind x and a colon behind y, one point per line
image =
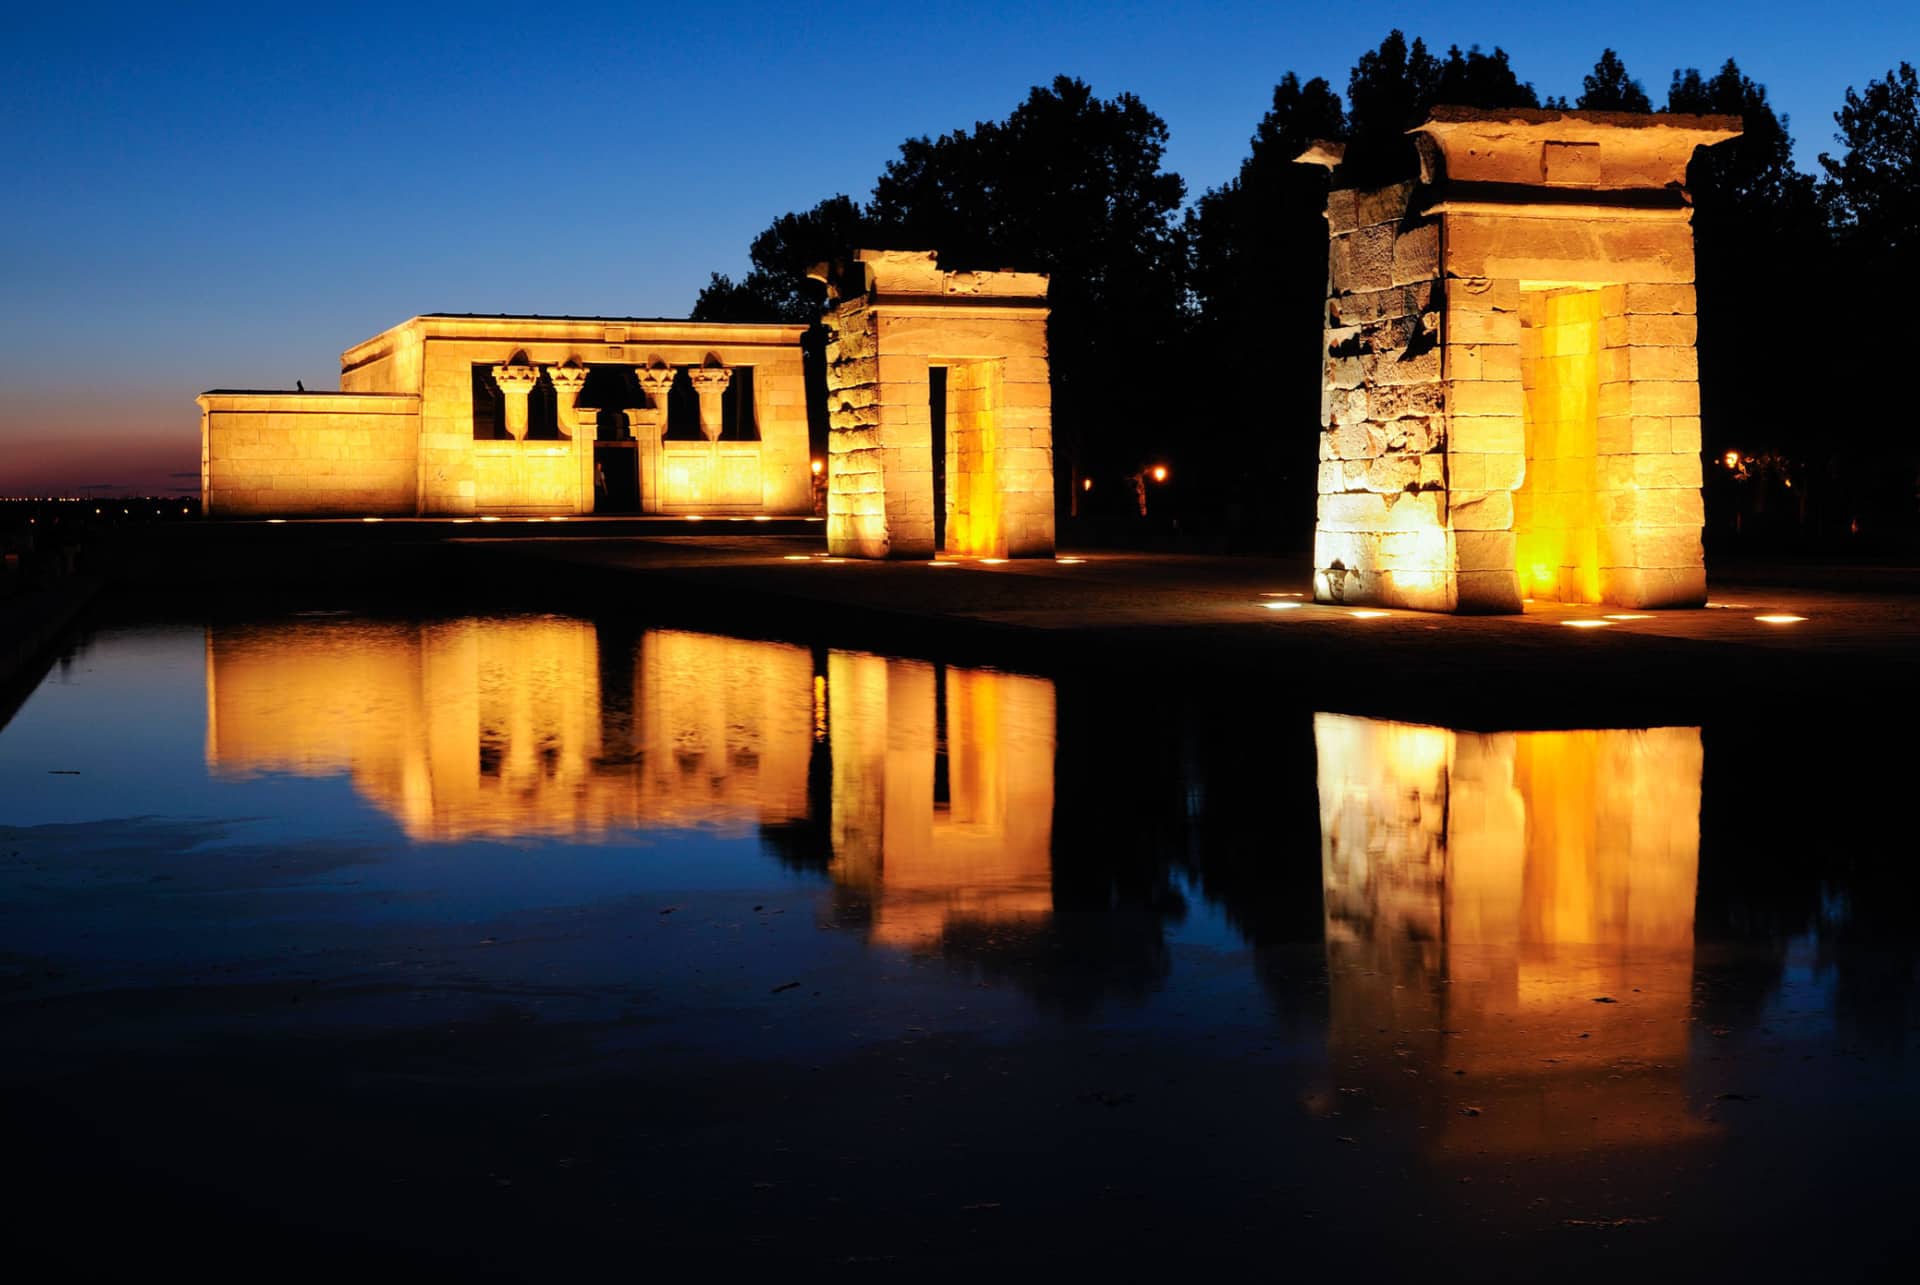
x: 896, y: 315
x: 502, y: 728
x: 1511, y: 398
x: 1483, y: 890
x: 397, y: 440
x: 981, y: 852
x: 297, y: 454
x: 973, y: 525
x: 1555, y: 510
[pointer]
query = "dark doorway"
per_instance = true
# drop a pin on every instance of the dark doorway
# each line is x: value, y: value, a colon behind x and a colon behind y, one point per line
x: 616, y: 477
x: 937, y: 413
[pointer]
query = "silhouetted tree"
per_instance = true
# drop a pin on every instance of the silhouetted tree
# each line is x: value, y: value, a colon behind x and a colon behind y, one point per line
x: 778, y: 288
x: 1873, y: 188
x: 1393, y: 87
x: 1070, y: 184
x: 1873, y: 196
x: 1252, y: 245
x: 1608, y: 88
x: 1760, y: 254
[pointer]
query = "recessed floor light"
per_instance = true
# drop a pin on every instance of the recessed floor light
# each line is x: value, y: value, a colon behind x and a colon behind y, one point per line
x: 1366, y: 615
x: 1586, y: 624
x: 1780, y: 619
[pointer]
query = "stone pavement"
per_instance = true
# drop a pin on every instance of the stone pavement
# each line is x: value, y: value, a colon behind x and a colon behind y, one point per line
x: 1166, y: 618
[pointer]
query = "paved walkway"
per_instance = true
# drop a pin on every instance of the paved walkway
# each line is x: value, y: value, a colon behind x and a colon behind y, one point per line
x: 1154, y: 617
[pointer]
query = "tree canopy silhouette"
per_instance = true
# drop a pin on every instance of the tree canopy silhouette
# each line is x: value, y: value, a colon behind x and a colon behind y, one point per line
x: 1608, y: 88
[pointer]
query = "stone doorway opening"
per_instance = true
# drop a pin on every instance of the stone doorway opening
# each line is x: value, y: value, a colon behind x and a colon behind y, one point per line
x: 616, y: 474
x: 937, y: 419
x: 970, y: 465
x: 1558, y: 521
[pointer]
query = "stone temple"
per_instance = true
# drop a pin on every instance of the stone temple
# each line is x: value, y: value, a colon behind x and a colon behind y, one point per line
x: 1511, y: 407
x: 940, y: 408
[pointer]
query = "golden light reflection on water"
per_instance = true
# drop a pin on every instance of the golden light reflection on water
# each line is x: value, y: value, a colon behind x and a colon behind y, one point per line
x: 1509, y: 918
x: 518, y: 727
x: 982, y: 851
x: 941, y: 778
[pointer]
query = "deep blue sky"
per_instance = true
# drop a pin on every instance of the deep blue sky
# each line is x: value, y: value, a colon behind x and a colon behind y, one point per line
x: 207, y: 196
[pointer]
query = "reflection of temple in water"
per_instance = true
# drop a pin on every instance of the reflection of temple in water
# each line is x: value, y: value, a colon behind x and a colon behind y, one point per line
x: 942, y: 812
x: 1484, y: 893
x: 932, y: 785
x: 502, y: 728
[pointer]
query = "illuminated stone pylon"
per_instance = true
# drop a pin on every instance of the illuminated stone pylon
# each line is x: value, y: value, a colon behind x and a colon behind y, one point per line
x: 1511, y: 405
x: 895, y: 316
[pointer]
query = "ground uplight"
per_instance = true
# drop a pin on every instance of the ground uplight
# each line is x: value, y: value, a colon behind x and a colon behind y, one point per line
x: 1779, y: 618
x: 1366, y: 615
x: 1281, y: 606
x: 1586, y: 624
x: 1631, y: 615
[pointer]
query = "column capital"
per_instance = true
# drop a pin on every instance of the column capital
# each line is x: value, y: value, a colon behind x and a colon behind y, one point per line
x: 568, y: 378
x: 516, y: 378
x: 710, y: 379
x: 655, y: 380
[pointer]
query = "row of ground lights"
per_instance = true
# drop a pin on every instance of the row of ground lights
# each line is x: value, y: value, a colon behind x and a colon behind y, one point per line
x: 1290, y: 602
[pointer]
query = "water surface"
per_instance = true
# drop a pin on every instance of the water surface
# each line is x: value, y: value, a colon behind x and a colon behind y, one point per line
x: 531, y: 945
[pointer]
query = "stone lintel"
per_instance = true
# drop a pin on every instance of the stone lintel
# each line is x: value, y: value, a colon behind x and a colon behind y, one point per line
x: 1571, y: 149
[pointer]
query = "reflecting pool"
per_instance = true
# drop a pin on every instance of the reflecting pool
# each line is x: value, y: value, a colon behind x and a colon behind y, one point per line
x: 532, y: 946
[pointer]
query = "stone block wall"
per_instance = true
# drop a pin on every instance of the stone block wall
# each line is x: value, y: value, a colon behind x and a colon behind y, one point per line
x: 858, y: 477
x: 1511, y: 402
x: 1382, y: 532
x: 308, y: 454
x: 988, y: 330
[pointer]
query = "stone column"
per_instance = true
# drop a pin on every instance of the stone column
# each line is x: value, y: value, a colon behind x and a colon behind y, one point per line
x: 516, y: 381
x: 710, y: 382
x: 648, y: 426
x: 567, y: 380
x: 577, y: 422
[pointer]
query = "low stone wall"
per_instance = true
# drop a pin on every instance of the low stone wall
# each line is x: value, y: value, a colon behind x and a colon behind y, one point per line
x: 308, y: 454
x: 526, y: 477
x: 696, y: 476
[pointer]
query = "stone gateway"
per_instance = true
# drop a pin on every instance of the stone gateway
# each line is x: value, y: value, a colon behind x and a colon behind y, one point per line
x: 1511, y: 407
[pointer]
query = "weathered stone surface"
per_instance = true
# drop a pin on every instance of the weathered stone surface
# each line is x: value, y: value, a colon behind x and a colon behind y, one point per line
x: 1382, y: 205
x: 1539, y: 402
x: 1416, y: 253
x: 1483, y: 511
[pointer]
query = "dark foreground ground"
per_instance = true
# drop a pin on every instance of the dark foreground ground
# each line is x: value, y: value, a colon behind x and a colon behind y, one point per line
x: 237, y: 1048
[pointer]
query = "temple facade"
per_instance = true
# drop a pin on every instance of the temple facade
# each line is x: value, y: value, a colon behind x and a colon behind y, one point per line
x: 446, y: 414
x: 941, y: 410
x: 1511, y: 405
